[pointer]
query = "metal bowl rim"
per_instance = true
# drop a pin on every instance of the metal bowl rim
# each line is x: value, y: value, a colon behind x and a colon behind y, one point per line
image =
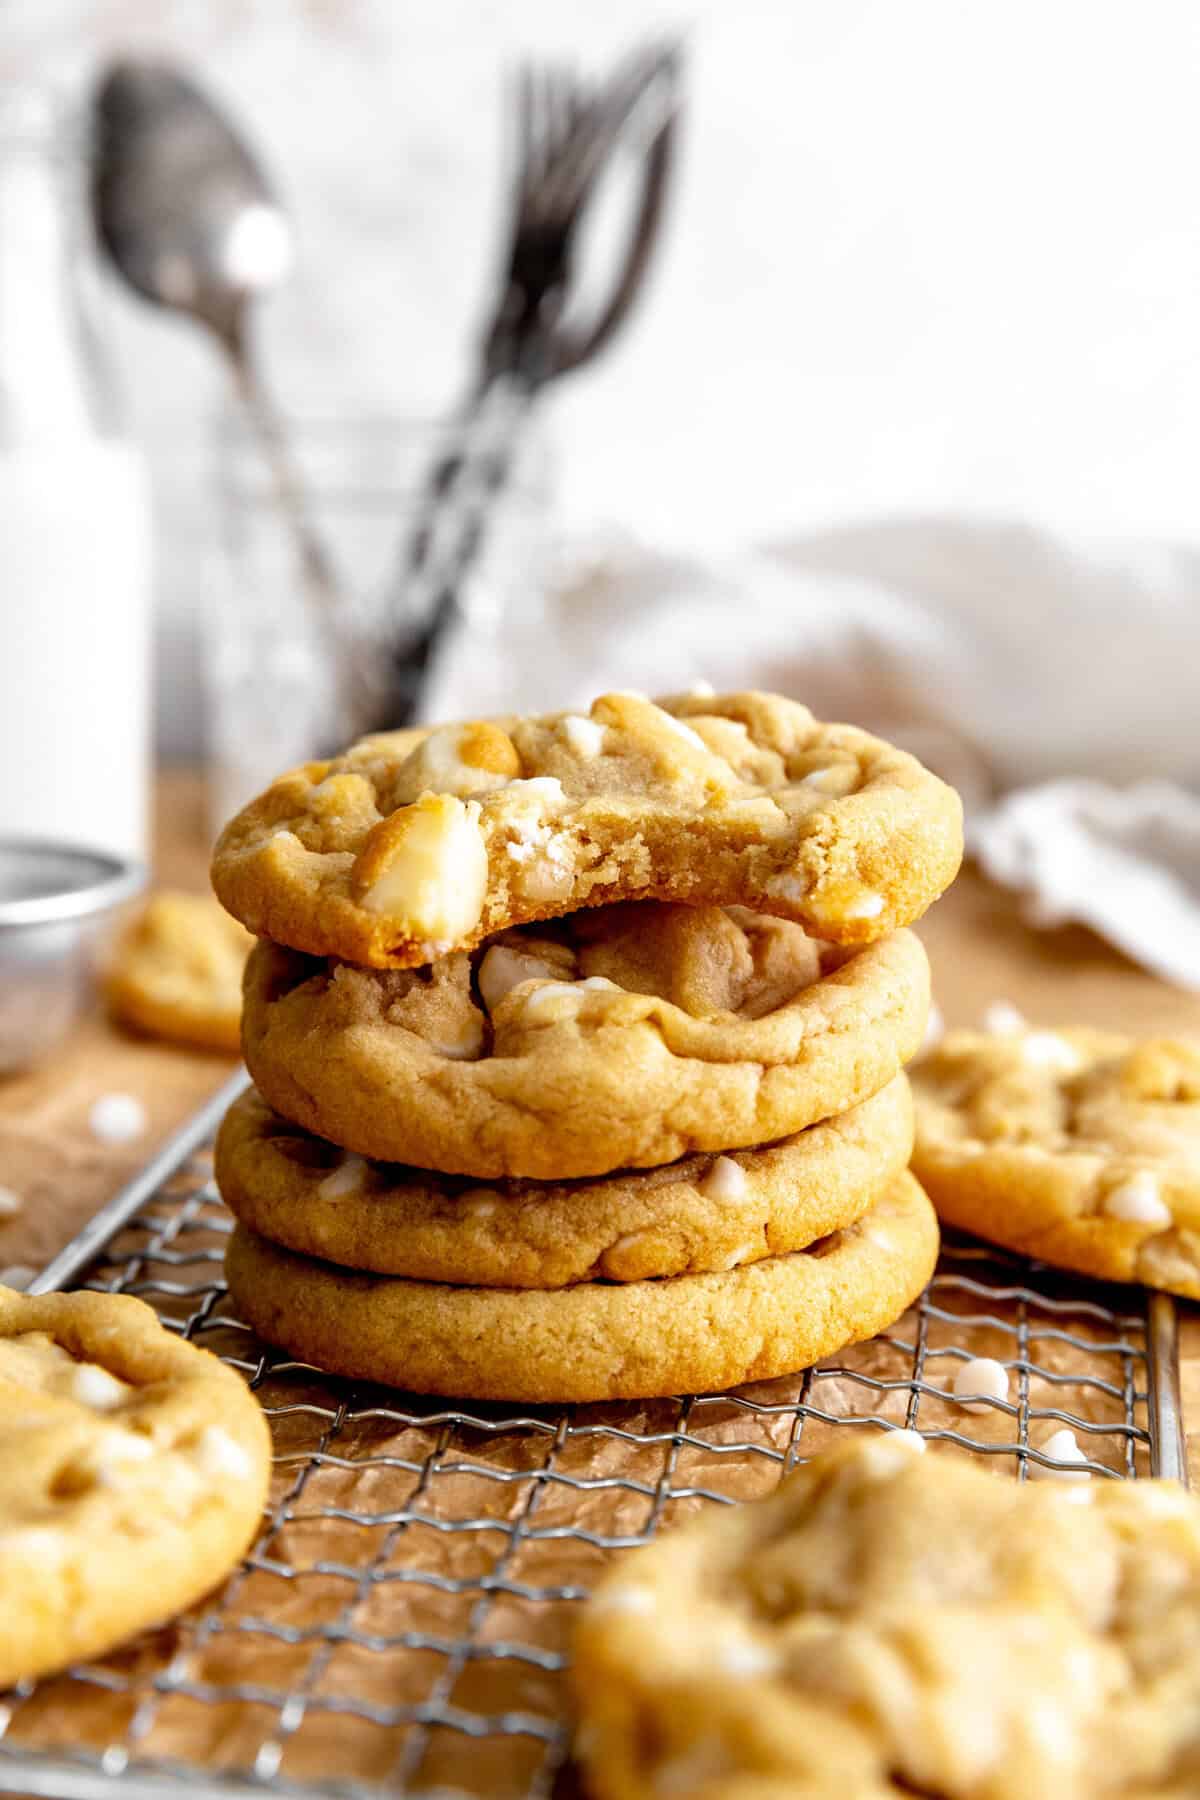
x: 120, y: 879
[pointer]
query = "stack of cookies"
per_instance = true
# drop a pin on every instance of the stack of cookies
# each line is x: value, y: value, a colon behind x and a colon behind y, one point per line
x: 578, y: 1045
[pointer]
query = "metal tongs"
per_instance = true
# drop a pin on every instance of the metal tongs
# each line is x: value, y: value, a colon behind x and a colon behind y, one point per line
x: 567, y: 135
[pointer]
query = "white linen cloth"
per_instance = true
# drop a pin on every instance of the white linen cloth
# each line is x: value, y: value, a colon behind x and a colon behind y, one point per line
x: 1055, y: 681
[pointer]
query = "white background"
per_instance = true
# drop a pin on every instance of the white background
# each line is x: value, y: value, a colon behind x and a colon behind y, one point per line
x: 939, y: 255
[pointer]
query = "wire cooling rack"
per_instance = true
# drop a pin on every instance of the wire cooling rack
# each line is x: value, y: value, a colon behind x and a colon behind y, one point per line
x: 402, y: 1624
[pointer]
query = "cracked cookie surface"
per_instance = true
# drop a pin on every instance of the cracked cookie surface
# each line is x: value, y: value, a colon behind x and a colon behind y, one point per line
x: 621, y: 1037
x: 412, y: 844
x: 133, y: 1473
x: 598, y: 1340
x: 1079, y: 1147
x: 889, y: 1623
x: 702, y: 1214
x: 176, y: 972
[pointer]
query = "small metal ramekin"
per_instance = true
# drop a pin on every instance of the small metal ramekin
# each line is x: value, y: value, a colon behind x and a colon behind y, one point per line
x: 55, y: 900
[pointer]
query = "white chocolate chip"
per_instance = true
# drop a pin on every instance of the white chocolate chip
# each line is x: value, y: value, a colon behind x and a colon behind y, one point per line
x: 701, y: 690
x: 117, y: 1450
x: 890, y: 1454
x: 980, y: 1375
x: 1063, y: 1446
x: 347, y: 1178
x: 547, y: 788
x: 1138, y: 1200
x: 912, y: 1440
x: 815, y: 777
x: 530, y: 833
x: 435, y: 875
x: 600, y: 984
x: 218, y: 1454
x: 789, y: 887
x: 117, y: 1118
x: 478, y: 1206
x: 1052, y: 1732
x: 725, y: 1180
x: 623, y: 1599
x: 753, y: 806
x: 561, y: 996
x: 585, y: 737
x: 684, y: 731
x: 744, y: 1657
x: 94, y: 1387
x: 743, y: 1254
x: 466, y: 1046
x: 10, y: 1203
x: 544, y: 880
x: 503, y: 968
x: 867, y: 906
x: 1002, y: 1019
x: 457, y: 759
x: 1046, y: 1050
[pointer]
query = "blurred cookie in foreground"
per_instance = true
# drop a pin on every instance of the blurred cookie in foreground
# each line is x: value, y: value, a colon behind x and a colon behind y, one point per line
x: 894, y: 1623
x: 1079, y: 1147
x: 133, y: 1473
x: 176, y: 972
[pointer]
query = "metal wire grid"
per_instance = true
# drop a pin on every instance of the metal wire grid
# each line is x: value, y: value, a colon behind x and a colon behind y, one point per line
x: 402, y: 1623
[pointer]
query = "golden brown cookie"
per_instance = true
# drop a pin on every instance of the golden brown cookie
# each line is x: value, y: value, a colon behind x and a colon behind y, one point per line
x: 176, y: 972
x: 704, y: 1213
x: 598, y: 1340
x: 889, y: 1623
x: 1076, y: 1146
x: 412, y: 845
x: 623, y: 1037
x: 133, y: 1472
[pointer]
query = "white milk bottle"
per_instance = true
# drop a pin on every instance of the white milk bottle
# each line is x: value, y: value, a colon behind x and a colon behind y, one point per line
x: 74, y: 520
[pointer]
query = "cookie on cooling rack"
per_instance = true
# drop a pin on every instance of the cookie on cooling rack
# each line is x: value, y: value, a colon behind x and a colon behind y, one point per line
x: 176, y: 973
x: 1076, y: 1146
x: 620, y: 1037
x: 704, y: 1213
x: 413, y: 844
x: 133, y: 1472
x: 891, y: 1624
x: 597, y: 1340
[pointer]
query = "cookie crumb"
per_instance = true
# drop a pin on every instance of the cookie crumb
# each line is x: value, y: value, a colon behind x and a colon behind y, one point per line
x: 117, y: 1118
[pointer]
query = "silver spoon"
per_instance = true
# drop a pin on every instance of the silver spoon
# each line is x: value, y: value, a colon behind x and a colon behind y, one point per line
x: 187, y: 217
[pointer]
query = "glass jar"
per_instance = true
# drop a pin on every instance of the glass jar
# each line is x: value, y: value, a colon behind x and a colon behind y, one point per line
x: 273, y: 699
x: 74, y: 517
